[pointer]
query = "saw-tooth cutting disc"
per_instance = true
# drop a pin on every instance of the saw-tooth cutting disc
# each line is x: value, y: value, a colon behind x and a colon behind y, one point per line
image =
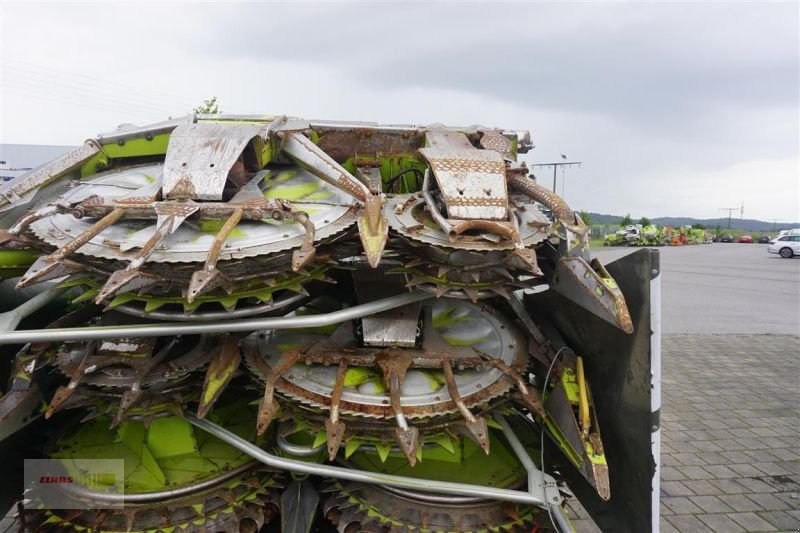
x: 329, y: 209
x: 409, y: 216
x: 424, y: 392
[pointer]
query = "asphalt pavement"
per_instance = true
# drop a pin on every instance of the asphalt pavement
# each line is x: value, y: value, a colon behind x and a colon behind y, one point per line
x: 724, y: 288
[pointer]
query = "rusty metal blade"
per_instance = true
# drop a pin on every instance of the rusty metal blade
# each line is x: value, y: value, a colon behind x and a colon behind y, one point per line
x: 408, y: 439
x: 128, y: 400
x: 61, y: 395
x: 42, y: 270
x: 479, y: 431
x: 268, y: 407
x: 125, y: 281
x: 373, y: 230
x: 335, y: 430
x: 203, y: 281
x: 209, y: 278
x: 334, y: 427
x: 593, y: 288
x: 311, y: 157
x: 220, y: 372
x: 45, y: 266
x: 476, y: 425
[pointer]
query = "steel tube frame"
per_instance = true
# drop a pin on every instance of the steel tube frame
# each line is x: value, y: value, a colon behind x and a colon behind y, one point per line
x: 227, y: 326
x: 11, y: 319
x: 427, y: 485
x: 84, y: 493
x: 537, y: 479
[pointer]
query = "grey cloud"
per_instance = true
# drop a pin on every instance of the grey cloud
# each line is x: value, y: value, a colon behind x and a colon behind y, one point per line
x: 624, y: 59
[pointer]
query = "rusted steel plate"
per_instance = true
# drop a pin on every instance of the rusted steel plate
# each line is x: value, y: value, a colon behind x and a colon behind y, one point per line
x: 200, y: 156
x: 472, y: 181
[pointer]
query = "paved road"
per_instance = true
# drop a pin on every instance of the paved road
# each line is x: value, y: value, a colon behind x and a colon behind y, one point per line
x: 731, y: 367
x: 725, y: 288
x: 730, y: 425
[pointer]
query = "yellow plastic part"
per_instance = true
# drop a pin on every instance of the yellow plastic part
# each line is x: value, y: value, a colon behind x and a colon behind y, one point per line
x: 583, y: 397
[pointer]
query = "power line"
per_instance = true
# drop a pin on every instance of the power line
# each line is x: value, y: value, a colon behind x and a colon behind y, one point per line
x: 119, y: 106
x: 89, y: 104
x: 93, y: 81
x: 555, y: 166
x: 116, y: 103
x: 52, y: 78
x: 51, y: 83
x: 729, y: 210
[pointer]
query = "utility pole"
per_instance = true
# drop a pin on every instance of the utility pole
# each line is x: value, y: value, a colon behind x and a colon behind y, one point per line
x: 729, y: 210
x: 555, y: 168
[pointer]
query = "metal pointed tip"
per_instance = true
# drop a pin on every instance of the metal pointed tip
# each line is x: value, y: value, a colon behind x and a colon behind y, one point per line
x: 220, y: 373
x: 335, y: 430
x: 129, y: 398
x: 299, y: 289
x: 203, y: 281
x: 501, y: 291
x: 503, y: 272
x: 476, y: 276
x: 61, y: 395
x: 373, y: 239
x: 301, y: 258
x: 203, y: 409
x: 266, y: 413
x: 534, y: 402
x: 441, y: 290
x: 414, y: 281
x: 116, y: 421
x: 480, y: 432
x: 472, y: 294
x: 408, y: 439
x: 601, y: 483
x: 442, y: 271
x: 624, y: 320
x: 114, y: 284
x: 528, y: 258
x: 7, y: 236
x: 39, y: 271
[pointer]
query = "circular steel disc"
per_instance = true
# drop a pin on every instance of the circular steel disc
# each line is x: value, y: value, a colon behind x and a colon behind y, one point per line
x: 408, y: 215
x: 330, y: 209
x: 190, y: 355
x: 424, y: 392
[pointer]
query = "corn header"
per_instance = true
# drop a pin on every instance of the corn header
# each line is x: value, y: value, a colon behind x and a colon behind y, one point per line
x: 290, y: 323
x: 652, y: 235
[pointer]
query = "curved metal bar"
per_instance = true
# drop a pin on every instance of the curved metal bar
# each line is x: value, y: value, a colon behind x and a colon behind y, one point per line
x: 11, y: 319
x: 437, y: 216
x: 427, y: 485
x: 84, y: 493
x: 561, y: 210
x: 228, y: 326
x: 199, y: 316
x: 297, y: 449
x: 432, y: 498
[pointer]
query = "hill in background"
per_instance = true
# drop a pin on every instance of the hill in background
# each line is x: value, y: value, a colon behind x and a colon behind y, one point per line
x: 747, y: 224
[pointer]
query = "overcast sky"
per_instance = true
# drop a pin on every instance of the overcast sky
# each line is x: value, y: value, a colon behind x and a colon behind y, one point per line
x: 673, y: 108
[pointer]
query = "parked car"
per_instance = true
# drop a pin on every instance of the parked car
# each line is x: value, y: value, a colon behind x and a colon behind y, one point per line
x: 787, y: 246
x: 764, y: 239
x: 745, y: 238
x: 726, y: 238
x: 794, y: 231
